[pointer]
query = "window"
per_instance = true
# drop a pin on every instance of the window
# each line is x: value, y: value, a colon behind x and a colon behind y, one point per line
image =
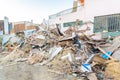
x: 72, y: 24
x: 108, y: 23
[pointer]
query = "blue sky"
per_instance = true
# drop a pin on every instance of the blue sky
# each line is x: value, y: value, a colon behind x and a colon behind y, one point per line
x: 36, y: 10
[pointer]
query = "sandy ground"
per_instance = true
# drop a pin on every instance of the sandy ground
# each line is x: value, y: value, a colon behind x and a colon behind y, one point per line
x: 23, y: 71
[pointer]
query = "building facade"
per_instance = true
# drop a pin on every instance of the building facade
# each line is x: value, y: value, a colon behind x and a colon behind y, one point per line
x: 91, y: 9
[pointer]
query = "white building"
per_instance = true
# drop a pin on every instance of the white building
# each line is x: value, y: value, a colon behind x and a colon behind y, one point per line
x: 87, y: 13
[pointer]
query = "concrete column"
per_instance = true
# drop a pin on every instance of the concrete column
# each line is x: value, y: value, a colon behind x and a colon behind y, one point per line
x: 6, y: 25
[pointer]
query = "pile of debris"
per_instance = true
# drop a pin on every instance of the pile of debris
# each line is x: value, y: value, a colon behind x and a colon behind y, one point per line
x: 67, y: 53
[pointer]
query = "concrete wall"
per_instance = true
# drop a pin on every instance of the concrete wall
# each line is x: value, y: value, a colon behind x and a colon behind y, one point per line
x: 100, y: 7
x: 68, y: 17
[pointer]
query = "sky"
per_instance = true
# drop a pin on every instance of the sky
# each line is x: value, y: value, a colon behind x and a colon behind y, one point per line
x: 36, y: 10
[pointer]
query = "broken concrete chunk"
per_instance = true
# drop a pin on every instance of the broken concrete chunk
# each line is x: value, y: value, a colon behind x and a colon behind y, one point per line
x: 40, y: 37
x: 115, y: 45
x: 68, y: 56
x: 21, y: 59
x: 116, y: 54
x: 92, y: 76
x: 35, y: 58
x: 54, y: 52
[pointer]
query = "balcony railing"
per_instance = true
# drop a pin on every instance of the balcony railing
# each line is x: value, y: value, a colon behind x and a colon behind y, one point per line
x: 64, y: 12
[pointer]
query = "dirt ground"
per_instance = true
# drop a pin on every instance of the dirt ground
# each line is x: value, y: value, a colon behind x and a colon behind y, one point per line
x: 23, y: 71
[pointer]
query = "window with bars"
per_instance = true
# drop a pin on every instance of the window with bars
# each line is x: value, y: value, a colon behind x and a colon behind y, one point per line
x: 108, y: 23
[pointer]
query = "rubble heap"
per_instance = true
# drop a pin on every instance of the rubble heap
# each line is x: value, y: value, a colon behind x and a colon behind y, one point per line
x: 68, y: 53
